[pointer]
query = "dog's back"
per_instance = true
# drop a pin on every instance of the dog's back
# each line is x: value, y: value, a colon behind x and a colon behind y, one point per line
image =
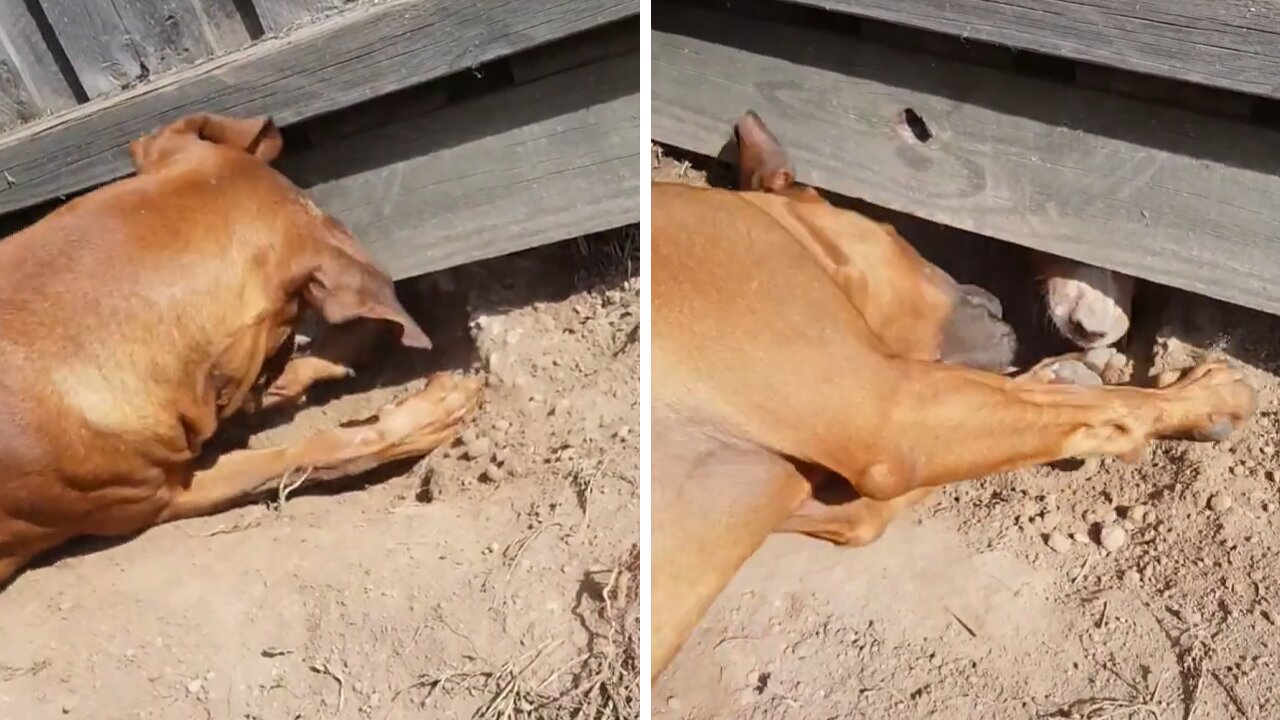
x: 112, y: 306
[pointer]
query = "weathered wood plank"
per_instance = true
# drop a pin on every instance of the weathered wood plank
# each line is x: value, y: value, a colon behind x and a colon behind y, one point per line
x: 316, y: 69
x: 1160, y: 193
x: 507, y: 171
x: 1225, y: 43
x: 30, y: 83
x: 279, y: 15
x: 116, y: 44
x: 598, y: 44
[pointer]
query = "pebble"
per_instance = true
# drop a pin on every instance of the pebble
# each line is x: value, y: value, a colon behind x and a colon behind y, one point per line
x: 1097, y: 358
x: 1058, y: 542
x: 623, y: 432
x: 1131, y: 577
x: 1112, y: 538
x: 469, y: 436
x: 69, y: 704
x: 494, y: 473
x: 1220, y: 502
x: 195, y: 686
x: 479, y: 448
x: 1137, y: 514
x: 1080, y: 537
x: 501, y: 426
x: 1051, y: 520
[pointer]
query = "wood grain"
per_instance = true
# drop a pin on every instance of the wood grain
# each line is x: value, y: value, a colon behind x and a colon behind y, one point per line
x: 318, y: 68
x: 1159, y: 193
x: 30, y: 83
x: 1225, y: 43
x: 521, y: 167
x: 279, y: 15
x: 116, y: 44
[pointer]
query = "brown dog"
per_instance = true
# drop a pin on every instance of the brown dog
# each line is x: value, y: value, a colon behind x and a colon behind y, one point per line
x: 793, y: 340
x: 137, y: 317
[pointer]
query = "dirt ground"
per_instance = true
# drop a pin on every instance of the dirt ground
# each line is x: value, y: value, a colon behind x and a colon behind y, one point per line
x: 495, y: 579
x: 963, y: 611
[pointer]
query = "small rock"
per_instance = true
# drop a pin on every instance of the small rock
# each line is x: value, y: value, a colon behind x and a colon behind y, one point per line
x: 1097, y: 358
x: 468, y: 436
x: 1073, y: 372
x: 195, y: 686
x: 501, y: 426
x: 69, y: 704
x: 1080, y: 537
x: 1112, y: 538
x: 1238, y: 470
x: 479, y: 448
x: 1137, y: 514
x: 494, y: 473
x: 1105, y: 514
x: 1058, y: 542
x: 1131, y: 577
x: 1220, y: 502
x: 623, y: 432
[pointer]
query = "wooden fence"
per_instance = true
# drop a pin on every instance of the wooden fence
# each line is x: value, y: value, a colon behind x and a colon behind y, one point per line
x: 1136, y: 136
x: 441, y: 130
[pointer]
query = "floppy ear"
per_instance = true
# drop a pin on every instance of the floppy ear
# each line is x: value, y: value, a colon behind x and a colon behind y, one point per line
x: 258, y: 137
x: 762, y: 163
x: 346, y: 285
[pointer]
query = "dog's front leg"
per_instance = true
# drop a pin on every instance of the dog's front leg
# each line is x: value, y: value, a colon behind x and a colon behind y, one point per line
x: 411, y: 428
x: 953, y: 424
x: 335, y: 354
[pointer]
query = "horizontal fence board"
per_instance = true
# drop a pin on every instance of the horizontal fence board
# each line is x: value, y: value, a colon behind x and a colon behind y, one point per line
x: 524, y: 166
x: 31, y: 84
x: 1224, y: 43
x: 319, y: 68
x: 279, y: 15
x: 1171, y: 196
x: 116, y: 44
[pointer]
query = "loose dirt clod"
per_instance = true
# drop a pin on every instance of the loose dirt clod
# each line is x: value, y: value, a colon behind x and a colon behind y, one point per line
x: 1059, y: 542
x: 1112, y: 537
x: 1220, y: 502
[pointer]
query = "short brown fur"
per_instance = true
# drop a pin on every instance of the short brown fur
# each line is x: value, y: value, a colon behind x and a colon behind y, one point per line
x: 139, y: 316
x: 790, y: 335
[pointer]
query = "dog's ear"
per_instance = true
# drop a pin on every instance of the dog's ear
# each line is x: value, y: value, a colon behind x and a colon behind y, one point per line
x: 346, y: 285
x: 762, y: 163
x: 258, y: 137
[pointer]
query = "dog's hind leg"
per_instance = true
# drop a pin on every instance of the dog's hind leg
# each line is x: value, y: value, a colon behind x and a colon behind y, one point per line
x: 855, y: 522
x: 411, y: 428
x: 714, y: 501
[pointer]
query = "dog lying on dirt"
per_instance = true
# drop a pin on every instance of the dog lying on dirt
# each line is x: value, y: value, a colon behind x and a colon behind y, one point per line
x: 796, y: 351
x: 136, y: 318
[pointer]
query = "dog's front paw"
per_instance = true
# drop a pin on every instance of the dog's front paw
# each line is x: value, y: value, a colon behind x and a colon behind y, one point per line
x: 1219, y: 397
